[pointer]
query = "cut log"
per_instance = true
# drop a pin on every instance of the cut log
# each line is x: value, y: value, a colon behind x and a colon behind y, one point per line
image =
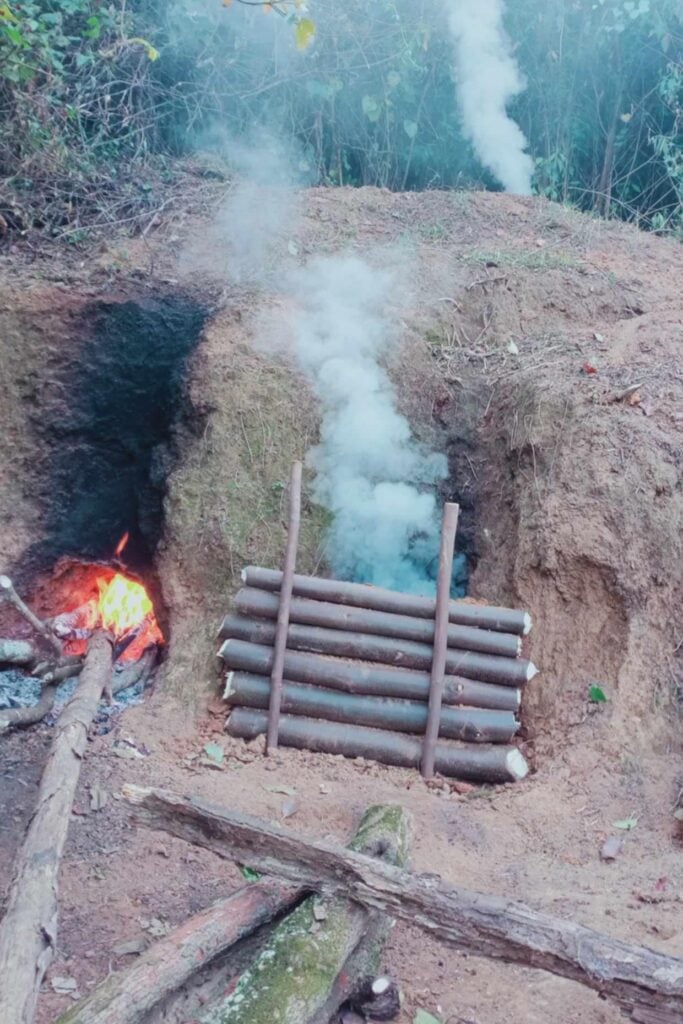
x: 127, y: 996
x: 17, y: 652
x: 470, y: 725
x: 21, y: 718
x: 28, y: 930
x: 295, y: 978
x: 471, y: 763
x: 364, y: 647
x: 362, y: 595
x: 373, y: 680
x: 263, y: 604
x: 647, y: 986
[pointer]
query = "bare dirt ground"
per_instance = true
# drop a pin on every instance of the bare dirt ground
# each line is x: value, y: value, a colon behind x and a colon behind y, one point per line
x: 572, y: 508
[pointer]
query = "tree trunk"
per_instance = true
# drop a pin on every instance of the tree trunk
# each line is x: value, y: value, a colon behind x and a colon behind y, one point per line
x: 128, y: 996
x: 263, y: 604
x: 472, y: 725
x: 362, y: 595
x: 28, y: 930
x: 295, y: 977
x: 373, y: 680
x: 645, y: 985
x: 388, y: 651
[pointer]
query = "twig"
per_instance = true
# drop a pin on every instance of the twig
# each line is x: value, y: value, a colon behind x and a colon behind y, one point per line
x: 9, y: 593
x: 485, y: 280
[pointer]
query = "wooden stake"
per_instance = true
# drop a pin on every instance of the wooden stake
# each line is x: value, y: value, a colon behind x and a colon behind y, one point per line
x: 9, y: 593
x: 28, y: 931
x: 443, y: 598
x: 280, y: 645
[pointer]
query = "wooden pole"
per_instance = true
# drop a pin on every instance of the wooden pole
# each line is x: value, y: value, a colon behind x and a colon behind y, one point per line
x: 280, y: 645
x: 472, y: 762
x: 373, y: 680
x: 28, y: 931
x: 9, y: 593
x: 443, y: 597
x: 645, y: 985
x: 363, y: 595
x: 471, y: 725
x: 263, y: 604
x: 489, y: 668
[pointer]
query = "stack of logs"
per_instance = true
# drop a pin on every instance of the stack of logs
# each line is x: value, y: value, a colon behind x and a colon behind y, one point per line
x: 357, y: 674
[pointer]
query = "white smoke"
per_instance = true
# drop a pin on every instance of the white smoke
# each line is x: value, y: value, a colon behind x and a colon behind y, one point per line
x: 375, y: 479
x: 488, y: 78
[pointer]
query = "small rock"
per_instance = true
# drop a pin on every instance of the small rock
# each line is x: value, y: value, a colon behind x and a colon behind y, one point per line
x: 611, y: 848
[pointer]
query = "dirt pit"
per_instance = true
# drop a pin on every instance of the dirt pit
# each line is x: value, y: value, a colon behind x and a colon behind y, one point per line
x: 528, y: 324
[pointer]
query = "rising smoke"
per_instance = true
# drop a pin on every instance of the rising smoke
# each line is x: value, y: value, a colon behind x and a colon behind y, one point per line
x: 488, y: 78
x: 375, y: 479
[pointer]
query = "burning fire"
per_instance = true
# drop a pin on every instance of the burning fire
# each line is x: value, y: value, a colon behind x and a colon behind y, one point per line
x: 123, y: 604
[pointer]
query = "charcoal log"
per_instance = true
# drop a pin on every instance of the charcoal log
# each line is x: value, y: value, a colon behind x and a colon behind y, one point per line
x: 471, y: 725
x: 264, y: 604
x: 404, y: 653
x: 362, y: 595
x: 373, y: 680
x: 471, y: 763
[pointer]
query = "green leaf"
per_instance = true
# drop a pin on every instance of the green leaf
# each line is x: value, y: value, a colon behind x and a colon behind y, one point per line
x: 597, y: 695
x: 152, y: 51
x: 422, y: 1017
x: 626, y: 824
x: 410, y: 128
x: 249, y: 873
x: 304, y: 33
x: 214, y: 752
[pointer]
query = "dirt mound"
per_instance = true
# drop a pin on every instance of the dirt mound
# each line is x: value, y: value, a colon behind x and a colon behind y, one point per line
x: 542, y: 352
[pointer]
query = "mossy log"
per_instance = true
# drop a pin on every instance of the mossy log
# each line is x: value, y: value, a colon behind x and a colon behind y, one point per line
x: 324, y: 946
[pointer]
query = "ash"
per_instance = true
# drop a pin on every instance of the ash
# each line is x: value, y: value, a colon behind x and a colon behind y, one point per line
x: 19, y: 690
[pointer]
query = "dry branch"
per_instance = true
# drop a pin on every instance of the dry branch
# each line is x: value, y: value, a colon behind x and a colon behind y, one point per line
x: 9, y: 593
x: 127, y: 996
x: 474, y: 763
x: 361, y: 595
x: 386, y: 650
x: 472, y: 725
x: 646, y: 986
x: 263, y: 604
x: 28, y: 930
x: 20, y: 718
x: 373, y: 680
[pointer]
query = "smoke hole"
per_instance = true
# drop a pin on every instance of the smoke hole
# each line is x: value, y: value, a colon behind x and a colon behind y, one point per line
x: 106, y: 432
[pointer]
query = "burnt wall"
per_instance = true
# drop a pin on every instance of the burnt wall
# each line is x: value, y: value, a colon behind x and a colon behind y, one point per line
x: 107, y: 441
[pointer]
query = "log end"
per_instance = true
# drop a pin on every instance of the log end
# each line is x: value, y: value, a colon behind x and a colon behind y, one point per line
x: 527, y: 624
x: 531, y: 671
x: 243, y: 575
x: 223, y: 651
x: 516, y: 764
x: 228, y: 691
x: 135, y: 794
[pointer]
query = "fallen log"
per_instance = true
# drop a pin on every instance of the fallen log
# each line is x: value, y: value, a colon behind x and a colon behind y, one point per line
x: 127, y: 996
x: 646, y: 986
x: 388, y: 651
x: 28, y: 930
x: 17, y: 652
x: 472, y: 763
x: 362, y: 595
x: 472, y: 725
x: 263, y: 604
x: 373, y: 680
x: 21, y: 718
x: 296, y: 977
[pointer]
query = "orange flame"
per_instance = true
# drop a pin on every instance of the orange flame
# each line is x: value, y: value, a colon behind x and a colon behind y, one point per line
x: 123, y: 604
x: 121, y: 545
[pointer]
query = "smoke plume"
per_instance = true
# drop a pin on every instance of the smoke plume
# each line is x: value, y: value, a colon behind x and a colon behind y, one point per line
x: 375, y: 479
x: 488, y: 78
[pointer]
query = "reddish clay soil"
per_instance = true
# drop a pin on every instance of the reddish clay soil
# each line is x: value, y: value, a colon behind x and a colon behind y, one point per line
x: 572, y: 508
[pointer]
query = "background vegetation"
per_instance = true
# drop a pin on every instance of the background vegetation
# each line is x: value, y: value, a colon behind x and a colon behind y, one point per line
x: 96, y: 97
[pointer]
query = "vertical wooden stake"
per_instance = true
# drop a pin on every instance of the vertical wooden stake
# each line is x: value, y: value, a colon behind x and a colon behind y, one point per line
x: 280, y: 644
x: 443, y: 596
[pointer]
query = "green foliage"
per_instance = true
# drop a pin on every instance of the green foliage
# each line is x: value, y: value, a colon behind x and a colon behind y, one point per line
x: 596, y: 695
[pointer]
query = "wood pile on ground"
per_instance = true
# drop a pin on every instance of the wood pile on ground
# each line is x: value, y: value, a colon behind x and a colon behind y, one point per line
x: 357, y: 674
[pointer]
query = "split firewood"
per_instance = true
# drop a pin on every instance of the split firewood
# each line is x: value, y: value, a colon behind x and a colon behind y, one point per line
x: 319, y: 953
x: 9, y: 593
x: 17, y: 652
x: 127, y: 996
x: 28, y: 931
x: 646, y: 986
